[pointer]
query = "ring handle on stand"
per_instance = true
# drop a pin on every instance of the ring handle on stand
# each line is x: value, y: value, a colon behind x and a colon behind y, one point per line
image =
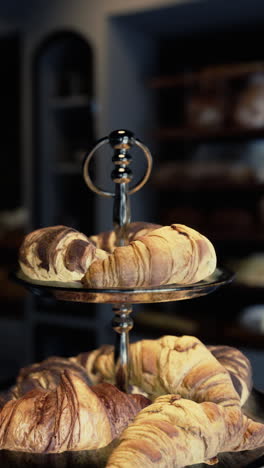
x: 123, y: 140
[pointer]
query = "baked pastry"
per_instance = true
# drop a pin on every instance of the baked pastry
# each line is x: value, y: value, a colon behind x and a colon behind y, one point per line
x: 57, y: 253
x: 249, y: 109
x: 52, y: 407
x: 107, y: 240
x: 177, y: 364
x: 174, y: 433
x: 170, y: 254
x: 70, y: 416
x: 238, y: 366
x: 147, y: 358
x: 155, y: 255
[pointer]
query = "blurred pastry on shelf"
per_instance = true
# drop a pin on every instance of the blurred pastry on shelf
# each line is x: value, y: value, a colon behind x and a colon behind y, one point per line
x: 249, y: 270
x: 210, y: 174
x: 252, y: 317
x: 206, y: 108
x: 249, y: 109
x: 13, y: 219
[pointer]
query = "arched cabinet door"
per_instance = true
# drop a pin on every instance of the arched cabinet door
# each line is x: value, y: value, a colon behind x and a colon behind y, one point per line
x: 63, y: 130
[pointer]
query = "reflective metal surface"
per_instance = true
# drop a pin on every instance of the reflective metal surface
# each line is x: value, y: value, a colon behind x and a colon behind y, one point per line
x: 126, y: 141
x: 121, y: 141
x: 173, y: 292
x: 122, y: 323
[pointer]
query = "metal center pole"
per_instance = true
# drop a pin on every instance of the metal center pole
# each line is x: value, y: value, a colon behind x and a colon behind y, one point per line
x: 121, y: 141
x: 122, y: 323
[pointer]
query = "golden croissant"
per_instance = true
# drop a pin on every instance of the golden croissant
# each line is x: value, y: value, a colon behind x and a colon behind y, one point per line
x: 170, y: 254
x: 168, y: 365
x: 177, y: 364
x: 174, y: 432
x: 201, y: 414
x: 107, y: 240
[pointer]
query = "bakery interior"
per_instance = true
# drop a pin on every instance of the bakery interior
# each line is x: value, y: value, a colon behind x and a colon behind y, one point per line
x: 187, y: 78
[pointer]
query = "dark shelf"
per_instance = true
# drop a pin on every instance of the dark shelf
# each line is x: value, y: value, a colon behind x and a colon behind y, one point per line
x: 210, y: 185
x: 196, y: 134
x: 212, y: 73
x: 209, y: 330
x: 67, y: 168
x: 246, y: 290
x: 237, y: 236
x: 71, y: 102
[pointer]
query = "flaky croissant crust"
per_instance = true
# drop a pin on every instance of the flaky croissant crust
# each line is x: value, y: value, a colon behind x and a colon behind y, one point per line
x: 69, y: 415
x: 170, y: 254
x: 198, y: 416
x: 61, y: 253
x: 206, y: 420
x: 155, y: 256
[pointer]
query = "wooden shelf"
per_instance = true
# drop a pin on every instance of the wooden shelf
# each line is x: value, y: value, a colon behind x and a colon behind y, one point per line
x: 187, y: 133
x: 211, y: 73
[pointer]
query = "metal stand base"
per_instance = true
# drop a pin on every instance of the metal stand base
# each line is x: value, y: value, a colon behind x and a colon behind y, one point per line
x: 122, y: 323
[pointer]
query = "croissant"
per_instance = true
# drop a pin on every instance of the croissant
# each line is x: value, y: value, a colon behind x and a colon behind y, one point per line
x: 155, y: 255
x: 199, y: 418
x: 176, y: 432
x: 71, y: 416
x: 107, y: 240
x: 60, y: 253
x: 172, y: 364
x: 238, y: 366
x: 170, y: 254
x: 57, y: 253
x: 147, y: 358
x: 173, y: 431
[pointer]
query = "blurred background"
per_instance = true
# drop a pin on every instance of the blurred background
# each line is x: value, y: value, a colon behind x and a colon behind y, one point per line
x: 187, y: 77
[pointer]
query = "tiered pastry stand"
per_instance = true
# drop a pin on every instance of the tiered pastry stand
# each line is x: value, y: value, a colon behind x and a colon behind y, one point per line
x: 123, y: 299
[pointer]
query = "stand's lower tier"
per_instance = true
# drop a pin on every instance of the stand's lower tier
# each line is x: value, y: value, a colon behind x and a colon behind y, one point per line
x: 173, y: 292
